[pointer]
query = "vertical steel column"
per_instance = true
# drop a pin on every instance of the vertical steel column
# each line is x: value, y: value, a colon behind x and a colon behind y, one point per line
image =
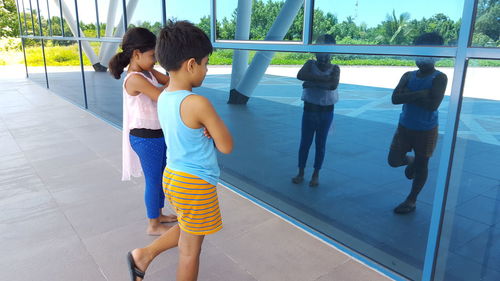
x: 110, y: 25
x: 213, y: 20
x: 32, y: 19
x: 49, y: 21
x: 82, y: 69
x: 97, y: 19
x: 125, y: 21
x: 446, y: 159
x: 43, y: 45
x: 61, y: 18
x: 240, y: 57
x: 163, y: 12
x: 308, y: 22
x: 25, y: 20
x: 22, y: 39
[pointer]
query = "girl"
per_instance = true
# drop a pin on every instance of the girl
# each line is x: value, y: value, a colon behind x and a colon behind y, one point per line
x: 143, y: 142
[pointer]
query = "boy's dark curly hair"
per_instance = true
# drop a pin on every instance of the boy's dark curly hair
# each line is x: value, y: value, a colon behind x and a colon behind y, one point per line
x: 180, y: 41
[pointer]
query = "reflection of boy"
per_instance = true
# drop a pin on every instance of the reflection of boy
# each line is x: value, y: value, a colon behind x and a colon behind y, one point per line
x: 421, y: 92
x: 321, y: 79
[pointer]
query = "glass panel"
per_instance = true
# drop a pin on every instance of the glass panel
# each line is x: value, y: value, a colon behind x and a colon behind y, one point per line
x: 44, y: 16
x: 389, y: 22
x: 148, y: 15
x: 88, y: 18
x: 34, y: 61
x: 27, y: 17
x: 55, y: 18
x: 63, y: 69
x: 69, y: 18
x: 487, y: 24
x: 358, y: 189
x: 182, y: 10
x: 262, y: 16
x: 104, y: 94
x: 470, y: 239
x: 34, y: 17
x: 110, y: 15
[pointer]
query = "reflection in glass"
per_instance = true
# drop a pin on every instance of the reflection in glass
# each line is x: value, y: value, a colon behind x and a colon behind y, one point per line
x: 357, y: 190
x: 182, y: 10
x: 274, y: 20
x: 387, y: 23
x: 63, y: 69
x: 487, y: 24
x: 470, y: 245
x: 420, y: 92
x: 34, y: 61
x: 148, y: 16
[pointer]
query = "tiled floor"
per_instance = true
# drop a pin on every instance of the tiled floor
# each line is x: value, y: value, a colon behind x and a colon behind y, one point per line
x: 65, y: 214
x: 358, y: 191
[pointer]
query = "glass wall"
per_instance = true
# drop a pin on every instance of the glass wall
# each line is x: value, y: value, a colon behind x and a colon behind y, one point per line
x: 389, y: 22
x: 260, y: 20
x: 470, y: 244
x: 364, y: 174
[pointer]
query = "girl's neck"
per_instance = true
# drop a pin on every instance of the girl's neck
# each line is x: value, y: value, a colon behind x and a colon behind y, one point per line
x: 134, y: 67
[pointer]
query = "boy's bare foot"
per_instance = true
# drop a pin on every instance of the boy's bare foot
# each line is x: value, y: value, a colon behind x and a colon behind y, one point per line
x: 157, y: 230
x: 168, y: 218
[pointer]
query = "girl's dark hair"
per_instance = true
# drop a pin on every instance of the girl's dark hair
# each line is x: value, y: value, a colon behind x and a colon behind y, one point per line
x: 136, y: 38
x: 431, y: 38
x: 180, y: 41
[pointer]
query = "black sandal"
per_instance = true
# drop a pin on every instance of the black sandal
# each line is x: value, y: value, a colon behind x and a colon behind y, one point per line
x: 134, y: 271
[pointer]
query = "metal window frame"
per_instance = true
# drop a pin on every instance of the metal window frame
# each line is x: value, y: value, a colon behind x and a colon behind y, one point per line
x: 462, y: 53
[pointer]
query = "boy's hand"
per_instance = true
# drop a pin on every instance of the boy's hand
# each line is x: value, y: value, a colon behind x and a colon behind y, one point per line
x: 206, y: 133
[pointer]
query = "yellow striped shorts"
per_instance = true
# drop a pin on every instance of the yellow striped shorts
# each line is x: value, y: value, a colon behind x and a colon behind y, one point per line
x: 194, y: 200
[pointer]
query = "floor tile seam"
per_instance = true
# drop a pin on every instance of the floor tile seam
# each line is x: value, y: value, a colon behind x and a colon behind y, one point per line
x: 339, y: 265
x: 59, y: 207
x: 236, y: 262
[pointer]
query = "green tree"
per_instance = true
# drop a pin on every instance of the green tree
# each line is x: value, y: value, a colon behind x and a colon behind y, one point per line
x: 9, y: 24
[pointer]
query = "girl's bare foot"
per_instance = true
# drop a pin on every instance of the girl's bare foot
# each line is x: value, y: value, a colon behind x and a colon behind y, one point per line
x: 168, y: 218
x: 157, y: 230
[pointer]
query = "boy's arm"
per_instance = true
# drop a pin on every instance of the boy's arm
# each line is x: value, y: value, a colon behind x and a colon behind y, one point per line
x: 162, y: 78
x: 208, y: 117
x: 139, y: 84
x: 432, y: 100
x: 306, y: 74
x: 401, y: 94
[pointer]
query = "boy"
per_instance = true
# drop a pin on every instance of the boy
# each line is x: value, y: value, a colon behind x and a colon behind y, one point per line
x: 421, y: 92
x: 321, y: 79
x: 193, y: 131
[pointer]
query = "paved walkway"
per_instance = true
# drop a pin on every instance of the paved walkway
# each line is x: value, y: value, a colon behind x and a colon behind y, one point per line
x: 67, y: 216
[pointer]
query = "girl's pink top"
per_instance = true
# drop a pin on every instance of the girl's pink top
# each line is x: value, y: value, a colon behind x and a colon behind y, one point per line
x: 138, y: 112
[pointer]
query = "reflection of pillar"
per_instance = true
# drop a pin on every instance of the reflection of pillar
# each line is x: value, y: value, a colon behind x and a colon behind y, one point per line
x: 260, y: 62
x: 120, y: 30
x: 110, y: 25
x: 240, y: 57
x: 74, y: 29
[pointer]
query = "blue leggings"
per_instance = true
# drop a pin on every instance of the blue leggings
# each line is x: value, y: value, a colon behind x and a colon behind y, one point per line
x: 314, y: 123
x: 152, y: 153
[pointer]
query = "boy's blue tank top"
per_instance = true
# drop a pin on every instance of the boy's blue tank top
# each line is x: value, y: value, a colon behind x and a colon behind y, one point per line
x: 188, y: 150
x: 413, y: 116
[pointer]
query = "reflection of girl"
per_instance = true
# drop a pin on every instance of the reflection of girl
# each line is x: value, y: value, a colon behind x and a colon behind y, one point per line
x: 319, y: 94
x: 141, y: 129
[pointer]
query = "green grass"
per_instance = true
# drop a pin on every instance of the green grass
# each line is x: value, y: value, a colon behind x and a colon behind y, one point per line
x: 68, y: 56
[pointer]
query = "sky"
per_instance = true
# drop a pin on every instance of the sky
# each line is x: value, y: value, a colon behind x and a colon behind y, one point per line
x: 370, y: 12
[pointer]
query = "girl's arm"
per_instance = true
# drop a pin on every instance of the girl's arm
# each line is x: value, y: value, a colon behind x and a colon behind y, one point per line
x: 162, y: 78
x: 139, y: 84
